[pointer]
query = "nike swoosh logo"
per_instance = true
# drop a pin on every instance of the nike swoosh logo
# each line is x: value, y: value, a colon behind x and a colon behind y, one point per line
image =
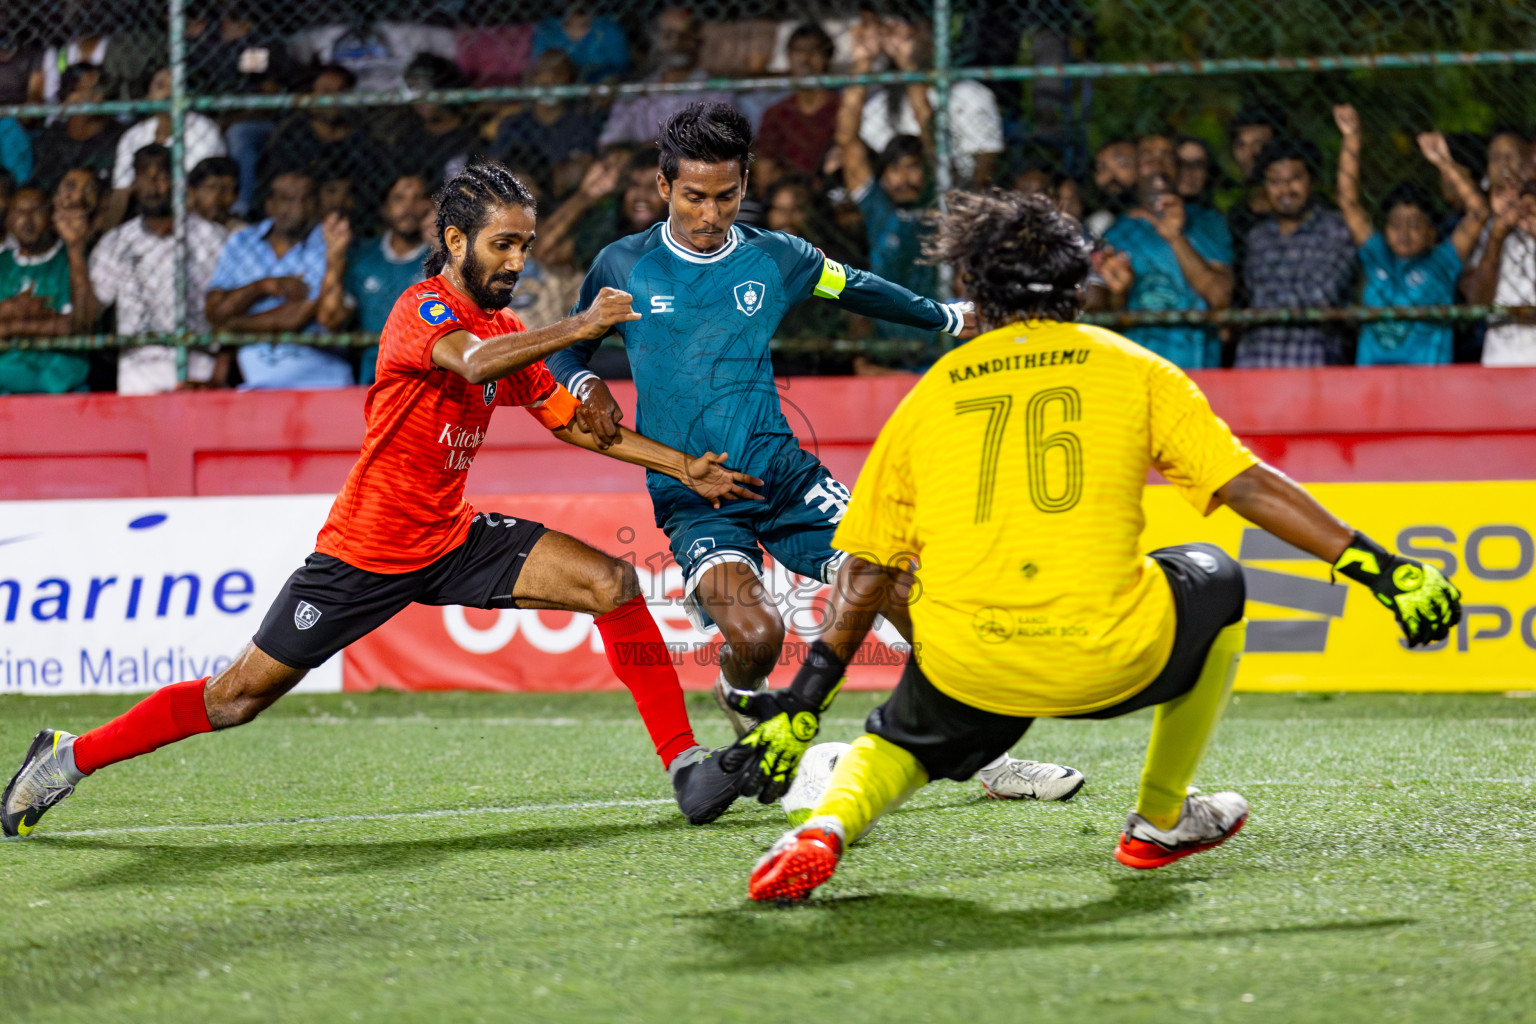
x: 14, y: 540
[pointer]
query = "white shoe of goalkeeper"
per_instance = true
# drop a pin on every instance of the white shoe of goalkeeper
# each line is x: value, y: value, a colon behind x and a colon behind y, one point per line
x: 1013, y: 779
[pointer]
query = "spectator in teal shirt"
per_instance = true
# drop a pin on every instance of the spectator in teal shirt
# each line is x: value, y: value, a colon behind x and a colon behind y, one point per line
x: 1403, y: 265
x: 1166, y: 257
x: 891, y: 202
x: 380, y: 269
x: 15, y: 150
x: 893, y: 190
x: 36, y: 299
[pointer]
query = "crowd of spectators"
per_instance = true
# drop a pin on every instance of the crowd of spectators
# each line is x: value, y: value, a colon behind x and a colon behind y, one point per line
x: 312, y: 221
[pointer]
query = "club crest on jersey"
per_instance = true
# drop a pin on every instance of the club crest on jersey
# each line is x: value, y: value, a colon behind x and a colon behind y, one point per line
x: 749, y: 296
x: 490, y: 393
x: 435, y: 312
x: 305, y: 615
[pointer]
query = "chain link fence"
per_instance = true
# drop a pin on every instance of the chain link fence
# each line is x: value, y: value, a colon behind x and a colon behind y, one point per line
x: 333, y: 119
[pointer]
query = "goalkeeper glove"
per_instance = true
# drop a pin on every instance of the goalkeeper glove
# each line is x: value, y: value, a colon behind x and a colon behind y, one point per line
x: 789, y: 719
x: 1425, y: 603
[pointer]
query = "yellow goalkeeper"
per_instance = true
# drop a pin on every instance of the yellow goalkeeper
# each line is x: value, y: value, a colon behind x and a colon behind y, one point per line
x: 1011, y: 479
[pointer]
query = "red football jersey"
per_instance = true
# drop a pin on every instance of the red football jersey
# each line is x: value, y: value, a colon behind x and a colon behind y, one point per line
x: 403, y: 504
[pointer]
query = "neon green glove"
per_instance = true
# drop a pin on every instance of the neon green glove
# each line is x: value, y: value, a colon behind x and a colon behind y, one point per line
x: 1425, y: 603
x: 788, y: 721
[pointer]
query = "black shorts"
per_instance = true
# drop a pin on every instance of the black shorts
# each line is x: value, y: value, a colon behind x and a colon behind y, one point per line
x: 952, y: 739
x: 327, y: 604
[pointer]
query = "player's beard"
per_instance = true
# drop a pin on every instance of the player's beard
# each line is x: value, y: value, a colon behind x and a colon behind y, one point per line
x: 479, y: 284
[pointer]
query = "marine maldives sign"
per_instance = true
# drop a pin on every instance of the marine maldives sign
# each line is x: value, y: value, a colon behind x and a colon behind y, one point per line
x: 123, y: 596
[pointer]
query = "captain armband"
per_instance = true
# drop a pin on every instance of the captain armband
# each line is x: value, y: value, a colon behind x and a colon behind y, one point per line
x: 834, y: 278
x: 555, y: 410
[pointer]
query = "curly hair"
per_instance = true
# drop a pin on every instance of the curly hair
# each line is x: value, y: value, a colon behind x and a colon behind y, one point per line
x: 465, y: 202
x: 1019, y: 257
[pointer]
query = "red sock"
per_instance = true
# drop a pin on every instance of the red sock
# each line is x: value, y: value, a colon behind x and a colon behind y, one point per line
x: 642, y: 662
x: 169, y: 714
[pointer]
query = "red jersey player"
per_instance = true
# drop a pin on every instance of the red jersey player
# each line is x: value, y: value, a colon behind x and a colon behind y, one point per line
x: 400, y: 531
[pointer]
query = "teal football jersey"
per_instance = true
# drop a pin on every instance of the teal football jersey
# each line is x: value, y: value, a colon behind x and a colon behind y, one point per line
x: 699, y: 352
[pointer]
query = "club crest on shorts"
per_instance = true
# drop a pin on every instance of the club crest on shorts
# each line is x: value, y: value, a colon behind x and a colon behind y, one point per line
x: 490, y: 393
x: 749, y: 296
x: 305, y: 615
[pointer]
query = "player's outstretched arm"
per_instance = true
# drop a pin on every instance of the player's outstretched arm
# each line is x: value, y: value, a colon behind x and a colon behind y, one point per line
x: 1424, y: 602
x: 707, y: 476
x: 868, y: 294
x: 482, y: 360
x: 790, y: 718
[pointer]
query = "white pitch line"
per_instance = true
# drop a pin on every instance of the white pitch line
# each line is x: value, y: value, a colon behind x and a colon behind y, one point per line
x: 584, y: 805
x: 493, y: 722
x: 557, y: 720
x: 1355, y: 784
x: 331, y: 819
x: 427, y: 720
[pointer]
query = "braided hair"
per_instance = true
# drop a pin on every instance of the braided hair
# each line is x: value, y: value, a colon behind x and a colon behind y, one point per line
x: 465, y: 202
x: 1019, y: 256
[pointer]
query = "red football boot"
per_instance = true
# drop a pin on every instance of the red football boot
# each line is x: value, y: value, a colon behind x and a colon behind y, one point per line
x: 799, y: 862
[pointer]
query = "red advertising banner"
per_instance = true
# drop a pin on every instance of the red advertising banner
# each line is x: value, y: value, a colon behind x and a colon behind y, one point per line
x: 454, y: 648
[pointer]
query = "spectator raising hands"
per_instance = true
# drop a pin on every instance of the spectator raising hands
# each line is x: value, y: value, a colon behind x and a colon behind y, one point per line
x: 975, y: 126
x: 1348, y: 183
x: 1438, y: 152
x: 1502, y: 271
x: 889, y: 191
x: 1404, y: 266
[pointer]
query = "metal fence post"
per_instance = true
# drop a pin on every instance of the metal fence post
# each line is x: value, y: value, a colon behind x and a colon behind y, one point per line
x: 178, y: 58
x: 942, y: 178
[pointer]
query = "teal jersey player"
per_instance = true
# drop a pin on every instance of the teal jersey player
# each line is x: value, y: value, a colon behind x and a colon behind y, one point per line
x: 708, y: 295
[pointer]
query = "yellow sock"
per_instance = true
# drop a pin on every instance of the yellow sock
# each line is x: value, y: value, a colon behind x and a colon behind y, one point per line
x: 872, y: 778
x: 1182, y: 728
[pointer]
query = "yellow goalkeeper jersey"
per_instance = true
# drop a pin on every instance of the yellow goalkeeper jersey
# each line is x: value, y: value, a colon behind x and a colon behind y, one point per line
x: 1013, y: 474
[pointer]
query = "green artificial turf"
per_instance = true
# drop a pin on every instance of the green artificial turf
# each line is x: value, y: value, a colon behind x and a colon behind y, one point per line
x: 469, y: 857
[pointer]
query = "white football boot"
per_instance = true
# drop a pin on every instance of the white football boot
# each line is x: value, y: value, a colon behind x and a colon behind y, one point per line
x: 1205, y: 820
x: 1013, y: 779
